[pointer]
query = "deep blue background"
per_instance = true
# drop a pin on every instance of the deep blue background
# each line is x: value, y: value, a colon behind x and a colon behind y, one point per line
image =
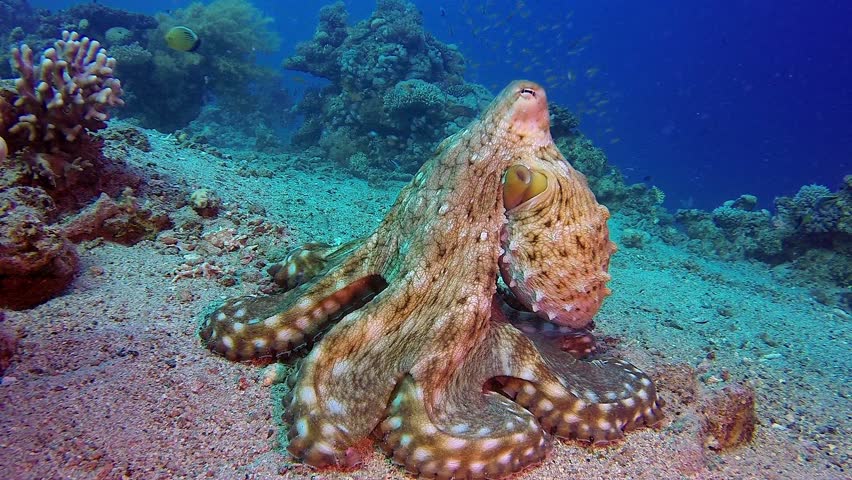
x: 706, y: 99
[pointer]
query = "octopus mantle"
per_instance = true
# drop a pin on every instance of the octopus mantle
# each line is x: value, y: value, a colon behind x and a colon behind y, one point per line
x: 411, y: 341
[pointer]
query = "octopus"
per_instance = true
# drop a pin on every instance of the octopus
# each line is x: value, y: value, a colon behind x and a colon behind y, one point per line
x: 456, y: 335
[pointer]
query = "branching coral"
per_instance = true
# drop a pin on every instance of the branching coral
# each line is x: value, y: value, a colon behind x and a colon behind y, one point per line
x: 67, y: 93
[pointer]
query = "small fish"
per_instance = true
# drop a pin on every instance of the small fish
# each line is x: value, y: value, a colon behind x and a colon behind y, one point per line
x: 182, y: 39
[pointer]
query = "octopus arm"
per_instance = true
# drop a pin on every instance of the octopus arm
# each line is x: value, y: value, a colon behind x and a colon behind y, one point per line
x: 309, y: 260
x: 345, y: 384
x: 274, y: 326
x: 590, y: 401
x: 579, y: 342
x: 457, y: 428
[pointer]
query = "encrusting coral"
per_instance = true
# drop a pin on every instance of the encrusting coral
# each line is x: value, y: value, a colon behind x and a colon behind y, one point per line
x: 36, y: 260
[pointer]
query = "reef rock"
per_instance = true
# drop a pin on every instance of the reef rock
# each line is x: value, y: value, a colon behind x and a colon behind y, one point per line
x: 36, y: 261
x: 729, y: 418
x: 395, y: 89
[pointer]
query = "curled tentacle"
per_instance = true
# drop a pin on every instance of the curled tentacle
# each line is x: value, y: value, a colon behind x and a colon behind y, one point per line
x: 590, y: 401
x: 307, y: 261
x: 480, y: 434
x: 453, y: 426
x: 343, y: 387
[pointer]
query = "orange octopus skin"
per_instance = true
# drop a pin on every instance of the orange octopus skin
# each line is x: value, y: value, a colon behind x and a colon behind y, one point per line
x: 414, y: 344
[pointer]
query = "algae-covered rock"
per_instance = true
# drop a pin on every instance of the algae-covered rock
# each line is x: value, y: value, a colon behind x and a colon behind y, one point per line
x: 36, y: 261
x: 729, y: 418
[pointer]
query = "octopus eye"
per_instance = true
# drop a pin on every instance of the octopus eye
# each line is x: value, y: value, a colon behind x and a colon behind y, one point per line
x: 528, y: 91
x: 520, y: 184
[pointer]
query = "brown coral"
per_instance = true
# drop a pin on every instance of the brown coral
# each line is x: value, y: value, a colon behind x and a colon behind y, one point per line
x: 124, y: 221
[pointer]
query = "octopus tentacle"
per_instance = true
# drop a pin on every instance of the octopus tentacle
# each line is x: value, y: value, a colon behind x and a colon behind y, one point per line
x: 252, y: 327
x: 577, y: 341
x: 590, y: 401
x: 307, y: 261
x: 455, y: 427
x: 342, y: 388
x: 477, y: 434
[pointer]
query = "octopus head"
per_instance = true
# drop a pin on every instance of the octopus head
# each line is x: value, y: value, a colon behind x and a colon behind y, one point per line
x: 528, y: 115
x: 556, y: 242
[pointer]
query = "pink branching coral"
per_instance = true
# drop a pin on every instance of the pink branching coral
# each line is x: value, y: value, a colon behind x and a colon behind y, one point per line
x: 65, y: 94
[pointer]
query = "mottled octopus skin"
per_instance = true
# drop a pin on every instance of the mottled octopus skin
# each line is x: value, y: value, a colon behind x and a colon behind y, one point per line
x: 415, y: 346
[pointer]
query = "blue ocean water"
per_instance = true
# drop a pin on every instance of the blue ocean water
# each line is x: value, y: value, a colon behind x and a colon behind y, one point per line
x: 706, y: 100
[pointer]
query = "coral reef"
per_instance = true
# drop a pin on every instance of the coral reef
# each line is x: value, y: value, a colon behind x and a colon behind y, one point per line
x: 812, y: 230
x: 38, y: 27
x: 170, y: 87
x: 818, y: 214
x: 52, y: 164
x: 100, y: 19
x: 734, y: 230
x: 395, y: 89
x: 19, y: 22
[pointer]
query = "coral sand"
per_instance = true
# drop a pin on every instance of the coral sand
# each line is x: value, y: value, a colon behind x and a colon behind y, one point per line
x: 111, y: 374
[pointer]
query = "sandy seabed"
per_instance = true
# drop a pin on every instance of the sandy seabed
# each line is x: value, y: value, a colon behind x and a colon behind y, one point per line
x: 110, y: 380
